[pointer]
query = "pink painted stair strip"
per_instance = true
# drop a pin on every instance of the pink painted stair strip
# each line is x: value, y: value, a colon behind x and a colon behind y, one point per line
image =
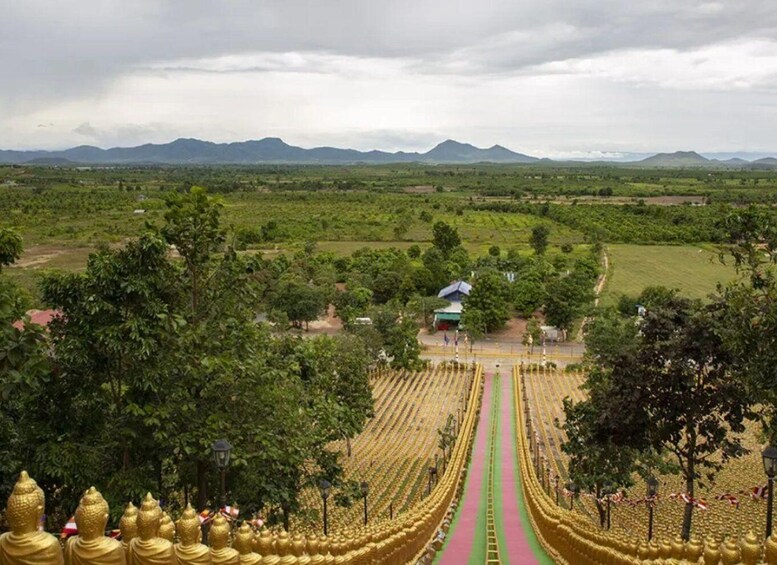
x: 518, y: 549
x: 459, y: 546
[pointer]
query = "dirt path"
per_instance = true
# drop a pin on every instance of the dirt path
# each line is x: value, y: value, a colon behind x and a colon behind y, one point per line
x: 598, y: 288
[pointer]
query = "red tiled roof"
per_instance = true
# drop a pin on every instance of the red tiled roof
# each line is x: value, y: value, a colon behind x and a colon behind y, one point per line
x: 40, y: 317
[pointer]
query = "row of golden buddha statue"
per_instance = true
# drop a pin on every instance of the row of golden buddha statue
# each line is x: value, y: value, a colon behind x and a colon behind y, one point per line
x: 147, y: 534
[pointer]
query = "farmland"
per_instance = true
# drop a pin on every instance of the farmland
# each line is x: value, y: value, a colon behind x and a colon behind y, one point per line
x: 693, y: 270
x: 546, y: 390
x: 62, y: 214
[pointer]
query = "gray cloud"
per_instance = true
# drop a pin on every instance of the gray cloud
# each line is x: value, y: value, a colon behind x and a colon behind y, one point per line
x: 83, y: 50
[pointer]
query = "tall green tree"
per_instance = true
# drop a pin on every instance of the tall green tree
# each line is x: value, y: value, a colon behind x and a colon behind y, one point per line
x: 24, y: 367
x: 445, y: 238
x: 539, y: 238
x: 674, y: 393
x: 490, y: 295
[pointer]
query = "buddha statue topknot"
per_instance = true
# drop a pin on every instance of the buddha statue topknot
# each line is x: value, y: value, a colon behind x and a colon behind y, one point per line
x: 148, y: 548
x: 244, y: 545
x: 166, y: 528
x: 91, y: 546
x: 128, y: 526
x: 189, y: 550
x: 220, y: 552
x: 24, y: 544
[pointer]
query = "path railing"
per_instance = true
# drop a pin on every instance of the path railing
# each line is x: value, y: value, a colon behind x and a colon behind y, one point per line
x: 570, y: 538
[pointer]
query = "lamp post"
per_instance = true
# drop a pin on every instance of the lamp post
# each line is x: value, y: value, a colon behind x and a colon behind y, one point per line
x: 652, y: 492
x: 572, y: 488
x: 365, y: 488
x: 608, y: 490
x: 769, y: 457
x: 325, y: 487
x: 221, y: 452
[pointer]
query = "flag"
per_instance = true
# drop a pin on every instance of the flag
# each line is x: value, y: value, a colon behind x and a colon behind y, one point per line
x: 758, y: 493
x: 70, y: 528
x: 230, y: 512
x: 732, y: 500
x: 205, y: 516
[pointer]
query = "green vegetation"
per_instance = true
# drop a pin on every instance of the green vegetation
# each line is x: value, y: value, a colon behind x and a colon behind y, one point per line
x: 694, y: 271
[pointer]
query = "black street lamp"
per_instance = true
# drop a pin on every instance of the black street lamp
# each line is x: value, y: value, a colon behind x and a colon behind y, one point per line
x: 572, y: 488
x: 221, y: 452
x: 432, y: 477
x: 365, y: 488
x: 325, y: 487
x: 652, y: 492
x: 769, y: 457
x: 608, y: 490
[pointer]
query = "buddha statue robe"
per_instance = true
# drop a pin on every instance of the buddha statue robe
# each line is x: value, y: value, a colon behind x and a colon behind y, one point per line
x: 189, y: 550
x: 244, y: 545
x: 91, y: 546
x: 220, y: 552
x: 24, y: 544
x: 147, y: 548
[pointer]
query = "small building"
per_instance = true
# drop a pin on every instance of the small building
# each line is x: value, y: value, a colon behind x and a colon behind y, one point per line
x: 450, y: 316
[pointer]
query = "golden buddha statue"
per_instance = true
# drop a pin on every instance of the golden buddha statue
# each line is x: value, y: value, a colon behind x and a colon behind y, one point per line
x: 147, y: 548
x: 244, y: 545
x: 128, y: 526
x: 24, y: 544
x: 90, y: 546
x: 220, y: 552
x: 189, y: 550
x: 166, y: 528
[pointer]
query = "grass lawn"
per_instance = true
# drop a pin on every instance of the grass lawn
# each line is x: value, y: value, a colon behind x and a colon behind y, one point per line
x: 693, y: 270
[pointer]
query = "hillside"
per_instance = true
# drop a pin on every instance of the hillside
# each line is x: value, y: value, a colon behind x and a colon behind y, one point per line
x: 267, y: 150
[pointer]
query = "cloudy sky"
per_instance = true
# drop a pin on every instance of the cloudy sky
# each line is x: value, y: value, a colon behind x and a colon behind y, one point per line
x: 545, y: 77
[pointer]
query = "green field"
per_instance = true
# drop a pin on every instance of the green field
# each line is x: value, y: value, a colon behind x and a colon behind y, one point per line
x: 693, y: 270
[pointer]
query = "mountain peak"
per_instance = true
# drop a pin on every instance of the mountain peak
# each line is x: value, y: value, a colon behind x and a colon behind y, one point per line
x: 676, y: 159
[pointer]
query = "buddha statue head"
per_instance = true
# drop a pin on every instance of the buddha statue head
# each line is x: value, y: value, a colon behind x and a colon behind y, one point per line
x: 166, y: 528
x: 25, y: 506
x: 219, y: 532
x: 128, y: 525
x: 148, y: 518
x: 244, y: 539
x: 92, y: 515
x: 189, y: 531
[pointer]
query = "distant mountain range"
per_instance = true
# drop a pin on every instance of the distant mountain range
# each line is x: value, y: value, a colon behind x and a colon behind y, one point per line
x: 272, y: 150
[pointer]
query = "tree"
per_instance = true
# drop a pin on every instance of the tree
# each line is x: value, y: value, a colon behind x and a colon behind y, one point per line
x: 595, y: 461
x: 494, y: 251
x: 749, y: 304
x: 299, y: 301
x: 528, y: 294
x: 539, y: 238
x: 423, y: 307
x: 445, y: 238
x: 674, y: 394
x: 414, y: 251
x: 490, y: 296
x: 110, y: 344
x: 532, y: 334
x: 24, y: 366
x: 402, y: 226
